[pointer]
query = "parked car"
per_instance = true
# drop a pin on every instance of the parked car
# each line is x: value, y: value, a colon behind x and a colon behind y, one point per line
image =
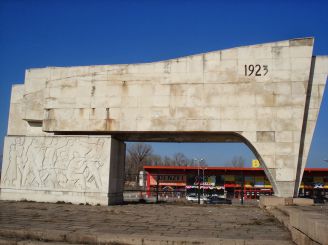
x: 320, y: 200
x: 194, y: 198
x: 218, y: 200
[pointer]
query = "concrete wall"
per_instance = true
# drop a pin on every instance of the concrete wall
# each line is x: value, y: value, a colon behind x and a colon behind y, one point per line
x: 269, y: 94
x: 116, y: 172
x: 56, y: 168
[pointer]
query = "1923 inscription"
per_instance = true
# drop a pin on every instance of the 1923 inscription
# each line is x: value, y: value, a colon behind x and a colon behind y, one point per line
x: 256, y: 70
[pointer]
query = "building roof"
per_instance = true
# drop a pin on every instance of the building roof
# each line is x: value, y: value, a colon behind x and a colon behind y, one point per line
x: 222, y: 168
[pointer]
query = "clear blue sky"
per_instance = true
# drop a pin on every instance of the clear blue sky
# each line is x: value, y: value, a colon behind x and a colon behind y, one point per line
x: 70, y: 33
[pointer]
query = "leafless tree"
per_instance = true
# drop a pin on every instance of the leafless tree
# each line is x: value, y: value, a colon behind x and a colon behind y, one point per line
x: 202, y: 163
x: 140, y: 154
x: 167, y: 161
x: 154, y: 160
x: 179, y: 159
x: 237, y: 161
x: 136, y: 157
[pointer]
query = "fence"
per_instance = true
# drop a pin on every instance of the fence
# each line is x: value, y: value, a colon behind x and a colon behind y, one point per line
x: 189, y: 188
x: 137, y: 188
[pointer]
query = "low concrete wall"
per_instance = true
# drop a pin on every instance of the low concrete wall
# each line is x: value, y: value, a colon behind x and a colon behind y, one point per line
x: 272, y: 201
x: 307, y: 223
x: 311, y: 223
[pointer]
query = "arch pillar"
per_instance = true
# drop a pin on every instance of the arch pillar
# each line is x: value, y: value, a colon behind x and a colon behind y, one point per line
x: 75, y: 169
x: 279, y: 160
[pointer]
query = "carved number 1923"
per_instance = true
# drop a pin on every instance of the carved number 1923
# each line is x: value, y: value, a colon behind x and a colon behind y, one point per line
x: 256, y: 70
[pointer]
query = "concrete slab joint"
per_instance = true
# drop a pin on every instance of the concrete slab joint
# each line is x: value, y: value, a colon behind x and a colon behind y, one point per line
x: 267, y: 96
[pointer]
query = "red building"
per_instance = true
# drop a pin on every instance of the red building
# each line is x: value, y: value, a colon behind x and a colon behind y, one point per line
x: 228, y: 181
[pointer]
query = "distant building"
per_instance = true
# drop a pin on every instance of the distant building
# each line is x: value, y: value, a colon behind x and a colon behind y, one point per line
x: 228, y: 180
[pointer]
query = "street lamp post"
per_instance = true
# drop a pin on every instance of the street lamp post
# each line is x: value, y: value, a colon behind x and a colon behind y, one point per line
x: 242, y: 188
x: 203, y: 179
x: 203, y: 182
x: 198, y: 177
x: 198, y: 182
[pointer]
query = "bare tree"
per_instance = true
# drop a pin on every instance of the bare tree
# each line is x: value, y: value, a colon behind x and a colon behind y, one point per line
x: 154, y: 160
x: 179, y: 159
x: 203, y: 163
x: 136, y: 157
x: 198, y: 162
x: 167, y: 161
x: 237, y: 161
x: 139, y: 152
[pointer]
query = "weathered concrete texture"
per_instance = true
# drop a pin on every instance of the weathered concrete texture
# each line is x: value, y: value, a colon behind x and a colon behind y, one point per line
x: 307, y: 224
x: 273, y: 201
x: 266, y: 95
x: 63, y: 168
x: 141, y: 224
x: 315, y: 92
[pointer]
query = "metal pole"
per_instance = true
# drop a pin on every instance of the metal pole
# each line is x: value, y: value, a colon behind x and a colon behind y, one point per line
x: 198, y: 185
x: 157, y: 185
x: 203, y: 181
x: 242, y: 188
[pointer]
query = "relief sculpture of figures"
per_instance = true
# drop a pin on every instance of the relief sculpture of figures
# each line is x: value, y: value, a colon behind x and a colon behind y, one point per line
x: 55, y: 163
x: 94, y: 163
x: 14, y: 171
x: 76, y: 170
x: 11, y: 171
x: 33, y: 164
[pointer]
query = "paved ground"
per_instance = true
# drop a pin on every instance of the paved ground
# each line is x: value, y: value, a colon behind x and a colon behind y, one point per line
x: 95, y: 224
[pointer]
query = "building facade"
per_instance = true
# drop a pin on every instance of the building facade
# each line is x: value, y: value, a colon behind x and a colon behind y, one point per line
x: 229, y: 182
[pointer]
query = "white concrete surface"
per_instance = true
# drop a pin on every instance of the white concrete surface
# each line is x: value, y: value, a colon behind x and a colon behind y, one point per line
x: 258, y: 93
x: 73, y: 169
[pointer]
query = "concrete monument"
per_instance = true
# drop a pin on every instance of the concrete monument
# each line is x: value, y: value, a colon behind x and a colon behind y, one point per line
x: 67, y: 125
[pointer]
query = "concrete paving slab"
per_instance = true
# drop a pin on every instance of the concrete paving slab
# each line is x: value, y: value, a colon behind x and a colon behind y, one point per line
x: 140, y: 224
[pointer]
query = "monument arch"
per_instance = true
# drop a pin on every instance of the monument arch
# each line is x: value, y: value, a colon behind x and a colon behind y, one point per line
x: 67, y: 125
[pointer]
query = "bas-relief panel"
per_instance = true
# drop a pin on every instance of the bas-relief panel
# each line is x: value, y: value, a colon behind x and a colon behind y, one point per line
x: 55, y: 163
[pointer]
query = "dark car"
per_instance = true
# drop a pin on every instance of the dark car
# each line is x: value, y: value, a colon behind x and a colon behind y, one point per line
x: 320, y: 200
x: 218, y: 200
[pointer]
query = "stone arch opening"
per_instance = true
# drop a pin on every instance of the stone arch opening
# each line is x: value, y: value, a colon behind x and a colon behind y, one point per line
x: 199, y: 137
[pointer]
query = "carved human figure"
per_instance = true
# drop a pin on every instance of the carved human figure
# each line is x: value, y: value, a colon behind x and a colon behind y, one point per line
x: 76, y: 170
x: 49, y: 176
x: 10, y: 176
x: 13, y: 172
x: 63, y: 154
x: 93, y: 170
x: 93, y: 162
x: 34, y: 160
x: 20, y: 159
